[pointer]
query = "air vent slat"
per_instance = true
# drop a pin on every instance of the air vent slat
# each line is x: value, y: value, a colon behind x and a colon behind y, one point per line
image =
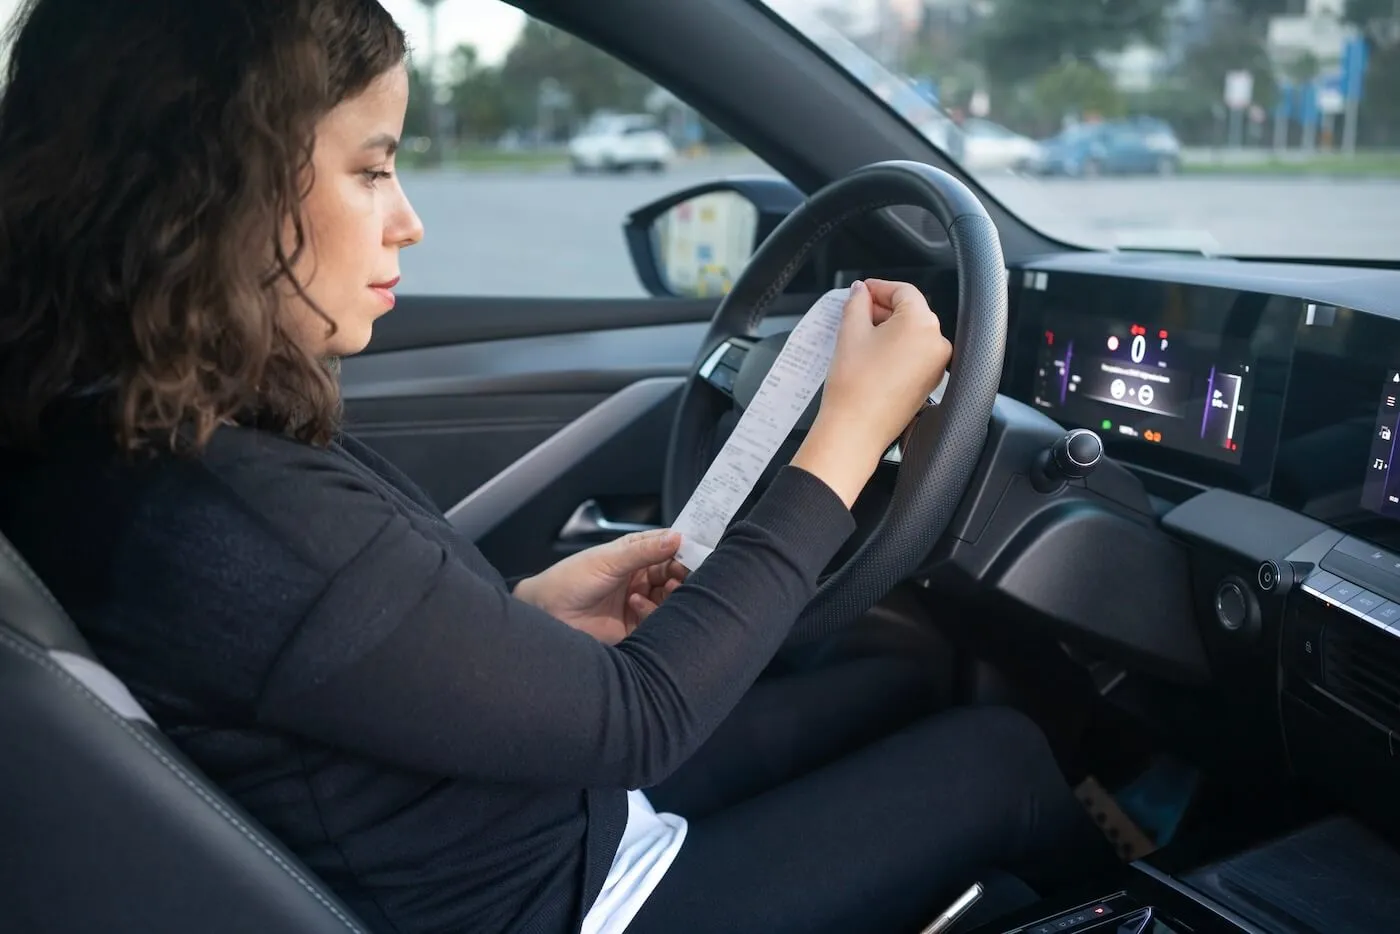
x: 1379, y: 681
x: 1361, y: 666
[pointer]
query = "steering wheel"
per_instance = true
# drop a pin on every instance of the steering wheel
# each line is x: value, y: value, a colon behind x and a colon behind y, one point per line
x: 939, y: 454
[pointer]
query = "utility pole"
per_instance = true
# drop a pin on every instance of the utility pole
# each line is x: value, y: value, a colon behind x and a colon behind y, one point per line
x: 1353, y: 82
x: 435, y: 149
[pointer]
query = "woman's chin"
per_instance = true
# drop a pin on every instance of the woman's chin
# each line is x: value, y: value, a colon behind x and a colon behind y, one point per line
x: 349, y: 341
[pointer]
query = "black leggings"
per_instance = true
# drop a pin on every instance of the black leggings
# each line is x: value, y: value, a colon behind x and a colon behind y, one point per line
x: 880, y: 839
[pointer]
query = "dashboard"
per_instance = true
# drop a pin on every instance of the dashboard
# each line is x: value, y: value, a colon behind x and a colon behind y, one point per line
x: 1255, y: 409
x: 1216, y: 380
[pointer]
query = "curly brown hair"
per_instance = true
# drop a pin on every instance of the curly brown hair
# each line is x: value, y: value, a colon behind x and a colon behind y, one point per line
x: 153, y: 154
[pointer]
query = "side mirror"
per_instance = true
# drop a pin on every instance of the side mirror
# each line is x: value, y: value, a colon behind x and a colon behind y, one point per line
x: 694, y: 243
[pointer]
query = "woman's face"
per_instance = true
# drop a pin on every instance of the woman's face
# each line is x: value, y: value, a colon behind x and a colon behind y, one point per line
x: 356, y: 218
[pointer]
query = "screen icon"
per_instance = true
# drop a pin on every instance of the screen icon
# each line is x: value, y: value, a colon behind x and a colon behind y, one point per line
x: 1390, y: 401
x: 1385, y: 433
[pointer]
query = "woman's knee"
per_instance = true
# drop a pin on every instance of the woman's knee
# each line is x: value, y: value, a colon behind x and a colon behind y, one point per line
x: 1004, y: 732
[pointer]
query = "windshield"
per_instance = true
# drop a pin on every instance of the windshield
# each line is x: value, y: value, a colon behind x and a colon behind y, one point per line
x: 1237, y: 127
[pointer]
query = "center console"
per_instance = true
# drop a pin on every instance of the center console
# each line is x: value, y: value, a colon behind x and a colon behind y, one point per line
x: 1149, y: 902
x: 1332, y: 877
x: 1267, y: 427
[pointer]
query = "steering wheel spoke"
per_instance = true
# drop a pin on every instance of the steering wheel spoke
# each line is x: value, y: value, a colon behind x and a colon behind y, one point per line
x: 721, y: 367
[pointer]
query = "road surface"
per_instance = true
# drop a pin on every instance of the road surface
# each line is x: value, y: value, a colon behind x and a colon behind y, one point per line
x: 552, y: 234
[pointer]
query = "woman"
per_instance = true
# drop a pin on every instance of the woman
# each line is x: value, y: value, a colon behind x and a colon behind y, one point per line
x: 198, y: 216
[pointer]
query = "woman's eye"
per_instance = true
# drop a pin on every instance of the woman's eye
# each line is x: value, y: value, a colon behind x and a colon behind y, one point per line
x: 374, y: 176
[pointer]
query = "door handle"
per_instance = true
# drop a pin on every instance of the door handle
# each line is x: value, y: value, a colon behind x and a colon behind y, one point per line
x: 589, y: 524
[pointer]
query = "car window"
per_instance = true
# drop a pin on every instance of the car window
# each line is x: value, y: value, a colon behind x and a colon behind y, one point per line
x: 1259, y: 127
x: 528, y: 149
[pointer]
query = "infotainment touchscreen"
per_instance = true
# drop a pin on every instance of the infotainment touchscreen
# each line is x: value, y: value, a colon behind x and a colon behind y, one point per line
x: 1380, y: 490
x: 1143, y: 379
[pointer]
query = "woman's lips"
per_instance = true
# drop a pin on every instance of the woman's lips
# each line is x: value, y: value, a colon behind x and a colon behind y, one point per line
x: 384, y: 290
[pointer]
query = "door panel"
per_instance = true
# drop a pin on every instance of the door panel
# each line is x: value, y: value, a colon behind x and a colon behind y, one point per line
x: 517, y: 412
x: 452, y: 444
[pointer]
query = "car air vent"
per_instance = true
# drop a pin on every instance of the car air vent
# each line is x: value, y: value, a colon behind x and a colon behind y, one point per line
x: 920, y: 222
x: 1361, y: 667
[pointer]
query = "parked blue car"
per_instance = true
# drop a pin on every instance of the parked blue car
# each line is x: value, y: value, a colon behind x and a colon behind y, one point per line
x: 1143, y: 146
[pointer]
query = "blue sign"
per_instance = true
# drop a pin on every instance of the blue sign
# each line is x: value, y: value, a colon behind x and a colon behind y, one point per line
x: 1308, y: 111
x: 1354, y: 59
x: 1286, y: 105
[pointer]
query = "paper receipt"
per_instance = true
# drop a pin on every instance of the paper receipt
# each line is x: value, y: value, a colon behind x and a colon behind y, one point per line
x: 784, y: 395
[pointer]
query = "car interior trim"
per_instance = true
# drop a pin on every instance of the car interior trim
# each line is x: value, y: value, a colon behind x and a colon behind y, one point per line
x: 514, y: 487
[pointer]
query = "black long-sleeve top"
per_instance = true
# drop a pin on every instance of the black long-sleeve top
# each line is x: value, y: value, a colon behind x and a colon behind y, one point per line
x: 311, y: 631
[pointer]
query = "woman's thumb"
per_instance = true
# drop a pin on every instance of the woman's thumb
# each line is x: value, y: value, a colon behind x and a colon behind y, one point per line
x: 859, y: 309
x: 643, y: 549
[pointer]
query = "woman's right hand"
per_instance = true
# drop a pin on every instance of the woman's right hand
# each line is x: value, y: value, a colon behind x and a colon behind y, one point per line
x: 890, y: 354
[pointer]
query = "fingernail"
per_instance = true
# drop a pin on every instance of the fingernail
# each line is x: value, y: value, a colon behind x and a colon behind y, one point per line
x: 857, y: 286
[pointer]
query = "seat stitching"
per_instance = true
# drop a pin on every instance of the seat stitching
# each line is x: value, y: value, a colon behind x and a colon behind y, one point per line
x: 180, y: 773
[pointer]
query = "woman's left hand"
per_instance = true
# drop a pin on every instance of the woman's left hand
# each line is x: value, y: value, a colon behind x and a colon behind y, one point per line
x: 608, y: 590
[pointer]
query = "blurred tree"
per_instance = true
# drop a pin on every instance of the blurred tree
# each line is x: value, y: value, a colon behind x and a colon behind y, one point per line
x: 479, y: 101
x: 1379, y: 119
x: 417, y: 121
x: 1301, y: 68
x: 1235, y: 43
x: 1019, y: 39
x: 1191, y: 98
x: 1367, y: 12
x: 594, y: 80
x: 1076, y: 88
x: 1264, y: 9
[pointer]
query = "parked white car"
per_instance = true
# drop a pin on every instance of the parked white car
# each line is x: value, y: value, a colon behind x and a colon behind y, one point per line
x: 989, y: 146
x: 620, y: 143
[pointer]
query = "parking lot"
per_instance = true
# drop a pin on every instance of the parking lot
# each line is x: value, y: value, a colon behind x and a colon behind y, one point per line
x: 549, y: 233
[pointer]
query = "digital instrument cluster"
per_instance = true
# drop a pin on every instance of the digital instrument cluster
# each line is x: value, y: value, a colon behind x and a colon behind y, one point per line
x: 1147, y: 381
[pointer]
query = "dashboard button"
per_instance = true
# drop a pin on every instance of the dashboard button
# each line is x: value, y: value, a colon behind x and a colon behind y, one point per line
x: 1365, y: 602
x: 1369, y: 554
x: 723, y: 378
x: 1342, y: 591
x: 1321, y: 580
x: 1384, y: 560
x: 1268, y: 576
x: 1387, y: 614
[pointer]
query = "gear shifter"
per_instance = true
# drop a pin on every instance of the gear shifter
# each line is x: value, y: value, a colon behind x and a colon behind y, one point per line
x: 1073, y: 456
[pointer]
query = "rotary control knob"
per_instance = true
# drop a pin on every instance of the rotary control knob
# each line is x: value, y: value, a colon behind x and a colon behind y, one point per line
x: 1237, y: 609
x: 1231, y: 606
x: 1073, y: 456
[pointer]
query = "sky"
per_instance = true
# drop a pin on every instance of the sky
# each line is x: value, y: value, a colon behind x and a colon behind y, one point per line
x: 490, y: 25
